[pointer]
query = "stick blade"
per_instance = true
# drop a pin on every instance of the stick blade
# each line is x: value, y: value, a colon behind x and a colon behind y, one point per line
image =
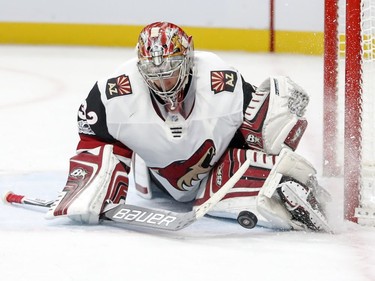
x: 135, y: 215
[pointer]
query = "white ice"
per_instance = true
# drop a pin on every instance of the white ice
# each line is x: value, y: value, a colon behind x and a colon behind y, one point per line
x: 41, y: 89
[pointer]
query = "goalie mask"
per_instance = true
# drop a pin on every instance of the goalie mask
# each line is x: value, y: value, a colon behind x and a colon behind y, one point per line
x: 165, y: 61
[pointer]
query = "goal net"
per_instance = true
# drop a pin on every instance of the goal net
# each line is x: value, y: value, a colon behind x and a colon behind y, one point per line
x: 349, y: 103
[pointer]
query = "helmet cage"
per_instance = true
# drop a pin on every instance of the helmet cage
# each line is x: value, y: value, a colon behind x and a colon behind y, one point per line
x: 155, y: 77
x: 165, y: 52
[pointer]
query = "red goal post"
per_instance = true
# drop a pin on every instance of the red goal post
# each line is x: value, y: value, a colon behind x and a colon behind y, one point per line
x: 349, y: 103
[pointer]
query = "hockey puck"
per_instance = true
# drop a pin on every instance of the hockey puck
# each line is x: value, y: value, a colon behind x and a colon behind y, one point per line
x: 247, y: 219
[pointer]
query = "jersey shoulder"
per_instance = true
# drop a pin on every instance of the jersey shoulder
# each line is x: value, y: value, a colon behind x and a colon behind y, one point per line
x: 217, y: 86
x: 125, y: 81
x: 117, y: 97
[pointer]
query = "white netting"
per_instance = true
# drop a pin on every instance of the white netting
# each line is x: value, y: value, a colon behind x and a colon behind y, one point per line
x: 368, y: 104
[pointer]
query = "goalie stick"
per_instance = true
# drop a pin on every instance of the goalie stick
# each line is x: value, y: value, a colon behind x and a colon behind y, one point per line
x: 122, y: 213
x: 141, y: 216
x: 10, y: 197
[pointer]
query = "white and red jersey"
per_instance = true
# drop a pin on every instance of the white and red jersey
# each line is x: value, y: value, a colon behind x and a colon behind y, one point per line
x: 179, y: 152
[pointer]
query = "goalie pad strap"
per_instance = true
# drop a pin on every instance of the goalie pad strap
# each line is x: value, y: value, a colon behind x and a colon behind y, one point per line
x: 295, y: 134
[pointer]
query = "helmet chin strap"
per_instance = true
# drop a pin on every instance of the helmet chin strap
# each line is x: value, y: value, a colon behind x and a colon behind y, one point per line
x: 174, y: 104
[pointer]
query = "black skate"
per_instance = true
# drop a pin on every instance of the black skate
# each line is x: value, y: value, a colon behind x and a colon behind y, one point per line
x: 300, y: 201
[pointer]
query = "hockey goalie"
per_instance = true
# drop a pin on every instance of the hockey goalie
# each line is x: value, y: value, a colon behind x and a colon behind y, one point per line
x: 185, y: 121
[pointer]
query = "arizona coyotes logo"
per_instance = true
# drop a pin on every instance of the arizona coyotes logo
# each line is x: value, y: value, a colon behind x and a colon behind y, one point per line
x: 223, y: 81
x: 118, y: 86
x: 182, y: 174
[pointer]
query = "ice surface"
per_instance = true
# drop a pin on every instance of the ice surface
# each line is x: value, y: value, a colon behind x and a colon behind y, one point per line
x: 41, y: 89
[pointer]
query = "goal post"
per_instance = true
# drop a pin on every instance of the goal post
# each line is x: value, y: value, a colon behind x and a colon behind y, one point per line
x: 349, y: 104
x: 353, y: 108
x: 330, y: 107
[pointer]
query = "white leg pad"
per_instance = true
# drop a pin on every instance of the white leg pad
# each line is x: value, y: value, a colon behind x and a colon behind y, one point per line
x: 231, y: 207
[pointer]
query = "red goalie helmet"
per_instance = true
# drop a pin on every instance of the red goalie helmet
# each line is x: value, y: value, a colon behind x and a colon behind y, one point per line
x: 165, y: 60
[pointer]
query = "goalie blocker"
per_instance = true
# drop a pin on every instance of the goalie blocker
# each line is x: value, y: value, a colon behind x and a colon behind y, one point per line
x: 95, y: 176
